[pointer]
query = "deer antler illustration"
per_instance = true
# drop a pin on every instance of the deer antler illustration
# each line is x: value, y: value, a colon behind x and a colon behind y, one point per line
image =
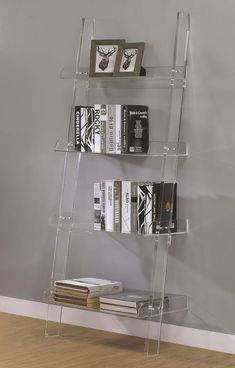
x: 128, y: 57
x: 105, y: 57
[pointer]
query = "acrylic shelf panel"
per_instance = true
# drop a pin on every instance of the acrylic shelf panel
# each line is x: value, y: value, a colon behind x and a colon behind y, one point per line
x: 156, y: 77
x: 70, y: 223
x: 177, y: 303
x: 156, y: 149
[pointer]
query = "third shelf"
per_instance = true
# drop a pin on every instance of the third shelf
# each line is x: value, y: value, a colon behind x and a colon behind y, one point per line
x: 68, y: 222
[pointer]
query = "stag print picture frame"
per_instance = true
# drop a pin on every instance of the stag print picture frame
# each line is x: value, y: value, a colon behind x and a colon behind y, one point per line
x: 103, y: 57
x: 129, y: 59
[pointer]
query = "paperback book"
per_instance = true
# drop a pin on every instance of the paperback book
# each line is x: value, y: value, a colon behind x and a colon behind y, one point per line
x: 97, y: 206
x: 135, y: 129
x: 91, y: 286
x: 84, y: 121
x: 145, y: 208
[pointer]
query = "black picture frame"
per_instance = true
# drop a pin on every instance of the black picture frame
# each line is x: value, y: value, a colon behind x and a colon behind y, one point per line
x: 103, y: 57
x: 129, y: 59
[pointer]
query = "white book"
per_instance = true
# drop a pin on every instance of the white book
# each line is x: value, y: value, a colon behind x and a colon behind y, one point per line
x: 97, y: 206
x: 117, y: 189
x: 118, y: 129
x: 102, y: 213
x: 110, y: 129
x: 97, y: 129
x: 126, y: 206
x: 103, y: 124
x: 109, y: 205
x: 129, y: 206
x: 118, y: 308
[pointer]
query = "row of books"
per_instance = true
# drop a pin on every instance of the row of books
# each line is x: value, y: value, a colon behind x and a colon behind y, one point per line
x: 106, y: 295
x: 112, y: 129
x: 143, y: 207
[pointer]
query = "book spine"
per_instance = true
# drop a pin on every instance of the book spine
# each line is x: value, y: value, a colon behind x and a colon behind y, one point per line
x: 97, y: 206
x: 96, y: 130
x: 137, y: 129
x: 144, y: 208
x: 167, y: 210
x: 103, y: 123
x: 118, y: 129
x: 78, y: 128
x: 117, y: 205
x: 109, y: 208
x: 87, y: 119
x: 155, y: 204
x: 126, y: 206
x: 90, y: 129
x: 83, y: 129
x: 133, y: 207
x: 102, y: 197
x: 110, y: 129
x: 124, y: 123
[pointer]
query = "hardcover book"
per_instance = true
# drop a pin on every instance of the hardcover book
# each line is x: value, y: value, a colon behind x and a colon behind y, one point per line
x: 97, y: 206
x: 84, y: 120
x: 87, y: 119
x: 111, y: 129
x: 117, y: 205
x: 109, y: 207
x: 129, y: 206
x: 113, y: 205
x: 96, y: 129
x: 144, y: 208
x: 103, y: 123
x: 132, y: 302
x: 77, y: 110
x: 167, y: 208
x: 135, y: 129
x: 76, y: 302
x: 118, y: 129
x: 102, y: 213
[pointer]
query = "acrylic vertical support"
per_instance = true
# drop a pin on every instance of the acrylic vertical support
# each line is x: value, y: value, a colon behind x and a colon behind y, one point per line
x: 169, y: 174
x: 65, y: 218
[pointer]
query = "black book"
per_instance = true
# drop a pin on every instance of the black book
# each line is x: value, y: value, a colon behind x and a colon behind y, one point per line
x: 135, y: 129
x: 166, y: 207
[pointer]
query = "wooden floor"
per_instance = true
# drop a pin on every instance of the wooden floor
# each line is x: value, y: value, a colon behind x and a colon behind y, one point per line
x: 23, y: 345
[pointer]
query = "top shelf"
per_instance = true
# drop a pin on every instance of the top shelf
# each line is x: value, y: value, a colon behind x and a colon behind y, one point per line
x: 156, y: 77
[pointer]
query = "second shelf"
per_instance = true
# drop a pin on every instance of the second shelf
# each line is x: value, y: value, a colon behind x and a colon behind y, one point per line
x: 156, y: 149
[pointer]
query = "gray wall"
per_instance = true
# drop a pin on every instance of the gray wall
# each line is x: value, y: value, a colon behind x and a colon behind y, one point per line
x: 37, y: 39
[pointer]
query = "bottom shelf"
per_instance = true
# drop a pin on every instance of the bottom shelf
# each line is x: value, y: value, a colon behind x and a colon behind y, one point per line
x: 176, y: 303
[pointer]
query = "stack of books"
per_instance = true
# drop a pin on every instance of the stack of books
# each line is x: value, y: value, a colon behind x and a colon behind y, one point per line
x: 83, y: 292
x: 143, y: 207
x: 112, y: 129
x: 133, y: 303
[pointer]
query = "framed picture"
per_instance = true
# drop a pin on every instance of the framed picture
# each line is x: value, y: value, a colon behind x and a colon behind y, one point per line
x: 103, y: 57
x: 129, y: 59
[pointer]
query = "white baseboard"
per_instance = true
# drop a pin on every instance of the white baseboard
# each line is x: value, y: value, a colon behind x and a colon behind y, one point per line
x: 170, y: 333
